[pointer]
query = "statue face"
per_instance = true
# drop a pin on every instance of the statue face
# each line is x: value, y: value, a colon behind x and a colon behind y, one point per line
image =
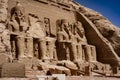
x: 82, y: 30
x: 46, y: 20
x: 66, y: 24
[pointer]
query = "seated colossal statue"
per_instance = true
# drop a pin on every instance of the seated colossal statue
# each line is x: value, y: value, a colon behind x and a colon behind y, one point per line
x: 78, y: 49
x: 64, y: 38
x: 89, y: 50
x: 17, y: 27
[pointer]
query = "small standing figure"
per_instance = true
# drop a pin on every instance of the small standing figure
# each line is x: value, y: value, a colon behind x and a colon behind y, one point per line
x: 47, y: 26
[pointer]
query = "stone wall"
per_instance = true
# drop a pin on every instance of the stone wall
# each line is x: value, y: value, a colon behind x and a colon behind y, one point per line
x: 54, y: 12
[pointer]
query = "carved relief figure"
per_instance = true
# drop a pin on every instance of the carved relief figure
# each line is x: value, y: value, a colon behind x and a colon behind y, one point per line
x: 64, y: 37
x: 47, y: 26
x: 74, y: 41
x: 89, y: 50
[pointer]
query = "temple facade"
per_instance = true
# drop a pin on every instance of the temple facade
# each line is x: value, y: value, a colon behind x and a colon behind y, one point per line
x: 54, y: 36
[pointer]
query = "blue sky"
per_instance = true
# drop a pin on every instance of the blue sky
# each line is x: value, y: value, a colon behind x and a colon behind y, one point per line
x: 108, y: 8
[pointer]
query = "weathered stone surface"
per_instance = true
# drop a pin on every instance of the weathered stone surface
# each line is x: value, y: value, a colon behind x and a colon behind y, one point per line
x: 68, y: 64
x: 4, y: 58
x: 53, y: 69
x: 13, y: 70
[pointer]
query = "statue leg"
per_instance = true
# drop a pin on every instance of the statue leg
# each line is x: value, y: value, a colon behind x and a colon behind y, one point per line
x: 87, y: 53
x: 67, y: 47
x: 79, y: 51
x: 93, y: 52
x: 13, y: 49
x: 30, y: 47
x: 43, y: 48
x: 74, y: 51
x: 20, y: 46
x: 51, y: 48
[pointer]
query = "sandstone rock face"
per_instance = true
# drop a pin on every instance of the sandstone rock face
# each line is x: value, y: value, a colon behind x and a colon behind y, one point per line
x: 106, y: 28
x: 57, y: 37
x: 3, y: 10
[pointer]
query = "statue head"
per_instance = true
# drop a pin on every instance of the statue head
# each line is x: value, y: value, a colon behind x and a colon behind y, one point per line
x: 65, y: 22
x: 79, y: 28
x: 46, y: 20
x: 17, y: 2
